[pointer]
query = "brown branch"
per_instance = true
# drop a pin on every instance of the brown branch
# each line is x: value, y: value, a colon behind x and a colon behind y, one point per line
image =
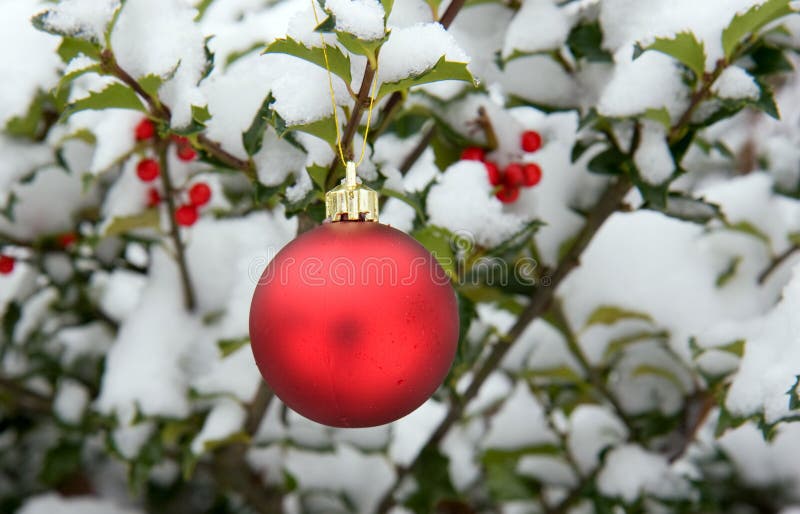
x: 166, y: 182
x: 20, y: 397
x: 608, y: 203
x: 162, y: 112
x: 776, y: 263
x: 697, y: 98
x: 352, y: 124
x: 418, y: 150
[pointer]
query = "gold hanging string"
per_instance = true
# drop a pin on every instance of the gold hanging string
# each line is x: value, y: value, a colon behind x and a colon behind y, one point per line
x: 333, y: 97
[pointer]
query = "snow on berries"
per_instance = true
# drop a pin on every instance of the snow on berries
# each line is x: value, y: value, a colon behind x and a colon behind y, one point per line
x: 6, y: 264
x: 186, y: 215
x: 516, y: 174
x: 146, y: 129
x: 148, y: 170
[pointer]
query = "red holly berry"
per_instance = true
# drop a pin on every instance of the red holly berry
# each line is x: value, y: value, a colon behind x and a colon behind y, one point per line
x: 6, y: 264
x: 186, y: 153
x: 199, y: 194
x: 186, y: 215
x: 145, y: 130
x: 179, y: 140
x: 67, y: 239
x: 153, y: 197
x: 473, y: 153
x: 532, y: 173
x: 148, y: 170
x: 531, y: 141
x: 513, y: 176
x: 494, y: 174
x: 508, y: 194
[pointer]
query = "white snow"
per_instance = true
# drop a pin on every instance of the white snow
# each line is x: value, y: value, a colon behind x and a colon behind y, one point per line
x: 85, y: 19
x: 145, y: 44
x: 652, y: 157
x: 225, y: 419
x: 462, y: 201
x: 652, y: 81
x: 71, y: 400
x: 592, y: 429
x: 33, y: 62
x: 411, y: 51
x: 520, y: 409
x: 362, y: 18
x: 771, y: 360
x: 630, y: 471
x: 539, y: 25
x: 736, y: 84
x: 52, y: 503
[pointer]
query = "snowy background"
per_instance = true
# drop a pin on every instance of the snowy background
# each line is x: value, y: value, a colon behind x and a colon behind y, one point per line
x: 651, y: 367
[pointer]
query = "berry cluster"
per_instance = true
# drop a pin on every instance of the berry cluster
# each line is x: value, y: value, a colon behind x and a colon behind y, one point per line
x: 515, y: 174
x: 148, y: 169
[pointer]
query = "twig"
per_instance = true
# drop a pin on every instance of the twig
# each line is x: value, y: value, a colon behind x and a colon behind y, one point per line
x: 418, y: 150
x: 540, y: 301
x: 166, y: 182
x: 23, y: 398
x: 776, y: 263
x: 352, y: 123
x: 162, y: 112
x: 708, y: 79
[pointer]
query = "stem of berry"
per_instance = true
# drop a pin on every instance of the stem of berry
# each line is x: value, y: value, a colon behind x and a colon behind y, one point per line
x: 180, y: 251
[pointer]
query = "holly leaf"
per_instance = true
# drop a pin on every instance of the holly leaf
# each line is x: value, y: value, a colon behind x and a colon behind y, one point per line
x: 609, y: 314
x: 253, y: 137
x: 586, y: 41
x: 229, y: 346
x: 442, y: 70
x: 750, y: 21
x: 684, y: 47
x: 71, y: 47
x: 124, y: 224
x: 338, y: 61
x: 438, y: 241
x: 114, y: 96
x: 324, y: 128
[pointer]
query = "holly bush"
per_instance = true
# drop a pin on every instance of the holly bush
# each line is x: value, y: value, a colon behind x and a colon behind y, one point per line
x: 613, y: 188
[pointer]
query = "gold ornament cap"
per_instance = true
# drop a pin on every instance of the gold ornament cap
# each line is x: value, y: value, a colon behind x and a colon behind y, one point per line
x: 351, y: 200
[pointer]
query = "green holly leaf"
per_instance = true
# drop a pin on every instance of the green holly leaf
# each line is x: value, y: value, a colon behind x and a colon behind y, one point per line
x: 124, y: 224
x: 338, y: 61
x: 71, y: 47
x: 609, y: 314
x: 750, y: 21
x: 367, y: 48
x: 729, y: 272
x: 684, y: 47
x: 442, y: 70
x: 229, y: 346
x: 438, y: 241
x: 253, y: 137
x: 324, y: 128
x: 586, y: 41
x: 114, y: 96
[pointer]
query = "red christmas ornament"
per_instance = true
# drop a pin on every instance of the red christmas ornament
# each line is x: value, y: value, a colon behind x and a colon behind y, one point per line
x: 354, y: 323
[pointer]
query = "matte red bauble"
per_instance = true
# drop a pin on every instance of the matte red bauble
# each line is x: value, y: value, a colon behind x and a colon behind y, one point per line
x: 354, y: 323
